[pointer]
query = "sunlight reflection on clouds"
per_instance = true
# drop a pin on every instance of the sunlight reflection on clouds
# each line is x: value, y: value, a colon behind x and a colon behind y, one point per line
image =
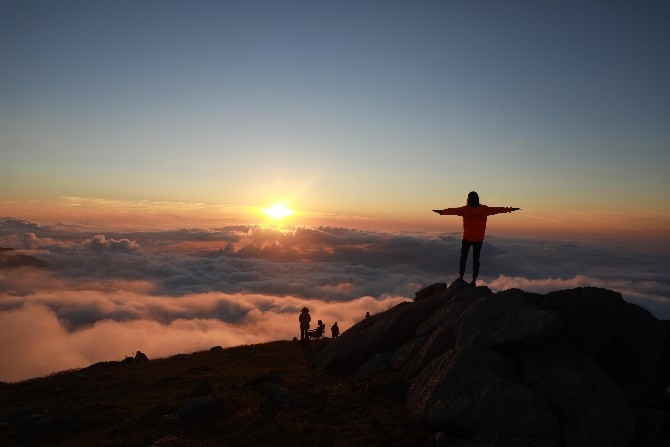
x: 164, y: 292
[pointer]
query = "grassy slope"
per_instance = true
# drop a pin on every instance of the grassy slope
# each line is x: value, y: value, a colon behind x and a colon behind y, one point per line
x: 117, y: 404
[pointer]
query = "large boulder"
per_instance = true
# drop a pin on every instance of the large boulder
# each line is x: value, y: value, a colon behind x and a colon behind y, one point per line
x: 475, y: 393
x: 625, y: 340
x: 595, y: 410
x: 506, y: 317
x: 378, y: 333
x: 569, y: 368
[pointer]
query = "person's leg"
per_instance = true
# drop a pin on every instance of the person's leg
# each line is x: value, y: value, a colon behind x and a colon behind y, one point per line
x: 465, y: 248
x: 476, y: 251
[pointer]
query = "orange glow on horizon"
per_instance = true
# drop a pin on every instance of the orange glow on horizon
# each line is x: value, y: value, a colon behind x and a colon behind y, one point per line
x: 107, y: 214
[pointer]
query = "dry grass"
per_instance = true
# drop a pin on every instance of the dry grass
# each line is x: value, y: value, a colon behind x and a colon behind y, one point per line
x: 138, y: 404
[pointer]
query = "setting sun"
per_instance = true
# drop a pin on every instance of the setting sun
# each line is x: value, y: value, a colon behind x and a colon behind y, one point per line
x: 278, y: 211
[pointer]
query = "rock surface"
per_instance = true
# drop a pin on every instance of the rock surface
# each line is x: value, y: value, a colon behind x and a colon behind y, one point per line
x: 578, y: 367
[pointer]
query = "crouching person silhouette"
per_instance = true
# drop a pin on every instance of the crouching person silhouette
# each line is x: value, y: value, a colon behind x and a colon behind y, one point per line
x: 474, y: 217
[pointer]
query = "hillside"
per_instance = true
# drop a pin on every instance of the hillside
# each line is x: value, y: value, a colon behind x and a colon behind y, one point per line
x: 260, y: 395
x: 459, y: 364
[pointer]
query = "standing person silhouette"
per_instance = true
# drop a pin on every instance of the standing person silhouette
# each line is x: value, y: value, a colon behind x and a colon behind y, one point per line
x: 304, y: 320
x: 474, y: 226
x: 335, y: 330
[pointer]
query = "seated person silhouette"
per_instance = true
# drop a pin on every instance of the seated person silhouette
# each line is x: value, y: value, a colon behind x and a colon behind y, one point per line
x: 318, y: 332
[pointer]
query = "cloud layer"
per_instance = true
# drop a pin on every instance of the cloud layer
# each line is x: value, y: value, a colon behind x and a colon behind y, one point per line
x: 105, y: 296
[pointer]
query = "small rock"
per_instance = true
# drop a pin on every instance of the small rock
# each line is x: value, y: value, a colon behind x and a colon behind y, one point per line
x: 197, y: 406
x: 202, y: 389
x: 282, y: 396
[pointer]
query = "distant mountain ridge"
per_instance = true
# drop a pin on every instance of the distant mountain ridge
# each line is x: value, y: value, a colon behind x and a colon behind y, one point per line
x: 10, y: 259
x: 578, y: 367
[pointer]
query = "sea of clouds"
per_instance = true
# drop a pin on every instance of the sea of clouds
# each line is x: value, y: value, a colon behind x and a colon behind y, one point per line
x: 163, y: 292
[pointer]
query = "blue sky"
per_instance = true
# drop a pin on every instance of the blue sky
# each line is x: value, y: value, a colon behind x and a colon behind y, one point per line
x: 376, y: 109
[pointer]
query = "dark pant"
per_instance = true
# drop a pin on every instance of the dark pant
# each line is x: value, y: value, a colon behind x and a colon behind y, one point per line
x: 476, y: 250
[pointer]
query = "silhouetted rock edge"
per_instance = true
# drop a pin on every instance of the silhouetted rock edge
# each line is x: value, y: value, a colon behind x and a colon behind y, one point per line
x: 568, y: 368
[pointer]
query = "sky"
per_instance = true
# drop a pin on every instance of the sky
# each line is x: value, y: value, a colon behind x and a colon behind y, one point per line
x: 350, y: 110
x: 140, y: 142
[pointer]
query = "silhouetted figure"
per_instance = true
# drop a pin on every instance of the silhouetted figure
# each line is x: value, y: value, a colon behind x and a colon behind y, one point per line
x: 319, y: 331
x: 304, y: 320
x: 474, y: 226
x: 335, y: 330
x: 367, y: 314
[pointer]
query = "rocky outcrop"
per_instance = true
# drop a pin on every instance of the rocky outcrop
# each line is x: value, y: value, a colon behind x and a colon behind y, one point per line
x: 140, y: 357
x: 578, y: 367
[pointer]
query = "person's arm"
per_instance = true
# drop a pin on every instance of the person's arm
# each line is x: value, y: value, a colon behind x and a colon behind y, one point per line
x: 449, y: 211
x: 500, y: 209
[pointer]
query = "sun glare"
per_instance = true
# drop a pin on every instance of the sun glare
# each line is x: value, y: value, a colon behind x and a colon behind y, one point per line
x: 278, y: 211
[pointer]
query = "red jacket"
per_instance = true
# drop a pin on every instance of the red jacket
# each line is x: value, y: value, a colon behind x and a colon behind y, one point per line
x: 474, y: 219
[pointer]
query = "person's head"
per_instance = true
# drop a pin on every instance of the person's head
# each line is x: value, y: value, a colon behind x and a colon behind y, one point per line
x: 320, y: 323
x: 473, y: 199
x: 305, y: 310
